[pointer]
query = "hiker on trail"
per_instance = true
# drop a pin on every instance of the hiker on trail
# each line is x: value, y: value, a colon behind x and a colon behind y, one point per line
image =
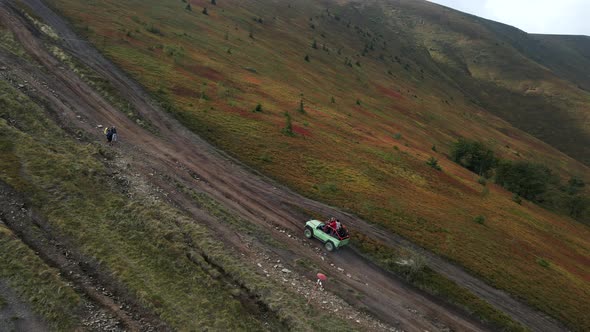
x: 107, y: 134
x: 114, y: 133
x: 111, y: 134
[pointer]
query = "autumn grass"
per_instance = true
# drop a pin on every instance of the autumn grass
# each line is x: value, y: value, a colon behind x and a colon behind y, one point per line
x: 169, y: 263
x: 9, y: 43
x: 36, y: 283
x: 403, y: 264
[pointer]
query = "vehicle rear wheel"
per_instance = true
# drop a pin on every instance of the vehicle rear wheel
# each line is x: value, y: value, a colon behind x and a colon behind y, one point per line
x: 329, y: 246
x: 308, y: 233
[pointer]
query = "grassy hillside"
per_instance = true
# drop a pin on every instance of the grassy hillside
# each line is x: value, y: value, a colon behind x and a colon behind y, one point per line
x: 534, y: 82
x: 383, y: 89
x: 167, y: 262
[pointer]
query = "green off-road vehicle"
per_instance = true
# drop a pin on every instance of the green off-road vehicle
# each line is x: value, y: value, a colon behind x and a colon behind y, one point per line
x: 327, y: 233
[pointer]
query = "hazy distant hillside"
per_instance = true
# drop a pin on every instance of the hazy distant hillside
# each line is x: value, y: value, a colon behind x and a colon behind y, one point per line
x: 567, y: 56
x: 538, y: 83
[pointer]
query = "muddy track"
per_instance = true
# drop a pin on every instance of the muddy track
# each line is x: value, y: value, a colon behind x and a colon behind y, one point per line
x: 85, y: 275
x: 188, y: 159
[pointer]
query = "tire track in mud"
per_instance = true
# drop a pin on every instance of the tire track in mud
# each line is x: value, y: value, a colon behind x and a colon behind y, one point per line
x: 253, y: 197
x: 120, y: 311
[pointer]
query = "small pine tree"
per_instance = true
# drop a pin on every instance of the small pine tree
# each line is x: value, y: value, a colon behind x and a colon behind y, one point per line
x: 333, y: 100
x: 251, y: 35
x: 434, y: 148
x: 433, y: 162
x: 307, y: 58
x: 257, y: 109
x: 480, y: 219
x: 358, y: 102
x: 288, y: 130
x: 214, y: 3
x: 301, y: 108
x: 205, y: 11
x: 188, y: 7
x: 314, y: 45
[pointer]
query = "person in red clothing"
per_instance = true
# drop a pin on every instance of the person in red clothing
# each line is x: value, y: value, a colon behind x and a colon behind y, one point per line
x: 330, y: 227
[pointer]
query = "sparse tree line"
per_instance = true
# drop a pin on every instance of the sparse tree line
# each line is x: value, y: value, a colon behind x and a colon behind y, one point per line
x: 532, y: 181
x: 204, y: 11
x: 373, y: 42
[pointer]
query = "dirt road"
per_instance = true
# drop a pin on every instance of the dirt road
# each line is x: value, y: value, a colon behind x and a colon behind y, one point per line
x: 185, y: 157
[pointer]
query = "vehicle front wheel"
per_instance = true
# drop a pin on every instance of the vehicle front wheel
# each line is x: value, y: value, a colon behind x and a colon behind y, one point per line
x: 308, y: 233
x: 330, y: 246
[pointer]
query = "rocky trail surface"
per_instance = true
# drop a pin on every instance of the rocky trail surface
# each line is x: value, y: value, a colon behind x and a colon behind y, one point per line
x: 170, y: 157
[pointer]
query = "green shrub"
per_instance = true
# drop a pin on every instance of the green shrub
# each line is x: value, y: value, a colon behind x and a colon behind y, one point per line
x: 528, y: 180
x: 433, y: 162
x: 474, y: 156
x: 480, y: 219
x: 257, y: 109
x: 288, y: 129
x: 574, y: 186
x: 577, y: 205
x: 543, y: 262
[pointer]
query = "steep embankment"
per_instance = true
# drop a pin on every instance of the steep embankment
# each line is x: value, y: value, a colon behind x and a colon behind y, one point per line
x: 383, y: 85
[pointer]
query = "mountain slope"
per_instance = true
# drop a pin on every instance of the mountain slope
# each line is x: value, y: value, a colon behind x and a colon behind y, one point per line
x: 534, y: 82
x: 378, y: 92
